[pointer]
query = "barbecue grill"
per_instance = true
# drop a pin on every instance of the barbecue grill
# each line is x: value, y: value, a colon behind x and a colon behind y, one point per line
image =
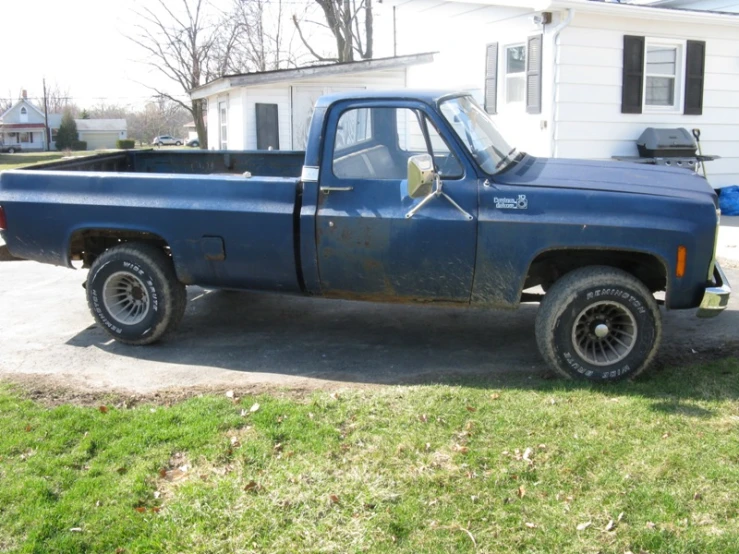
x: 670, y: 147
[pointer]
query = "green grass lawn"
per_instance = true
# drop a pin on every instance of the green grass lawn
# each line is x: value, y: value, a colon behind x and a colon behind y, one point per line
x: 22, y: 159
x: 511, y: 464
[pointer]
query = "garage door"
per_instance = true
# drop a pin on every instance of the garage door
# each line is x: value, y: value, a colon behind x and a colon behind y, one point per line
x: 96, y: 141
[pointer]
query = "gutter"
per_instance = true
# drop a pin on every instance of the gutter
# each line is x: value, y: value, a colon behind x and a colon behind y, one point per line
x: 555, y: 105
x: 652, y: 12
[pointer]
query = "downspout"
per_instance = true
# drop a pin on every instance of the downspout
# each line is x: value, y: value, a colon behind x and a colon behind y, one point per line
x: 555, y: 105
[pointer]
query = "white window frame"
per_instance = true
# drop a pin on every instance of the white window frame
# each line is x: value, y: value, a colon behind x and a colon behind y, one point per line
x: 520, y: 75
x: 222, y: 123
x: 680, y: 61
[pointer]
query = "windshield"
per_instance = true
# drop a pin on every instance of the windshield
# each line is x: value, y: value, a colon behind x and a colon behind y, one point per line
x: 478, y: 133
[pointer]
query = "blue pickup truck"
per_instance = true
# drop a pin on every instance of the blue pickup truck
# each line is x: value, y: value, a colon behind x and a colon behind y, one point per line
x: 410, y: 197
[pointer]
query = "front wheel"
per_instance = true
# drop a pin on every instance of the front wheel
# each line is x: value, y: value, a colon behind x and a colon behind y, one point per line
x: 11, y: 150
x: 134, y: 294
x: 600, y: 324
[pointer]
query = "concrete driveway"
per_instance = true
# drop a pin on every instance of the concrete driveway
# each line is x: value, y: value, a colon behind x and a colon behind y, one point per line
x: 246, y: 340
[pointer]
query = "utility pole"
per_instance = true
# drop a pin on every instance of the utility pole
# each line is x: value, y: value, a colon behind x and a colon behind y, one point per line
x: 46, y: 120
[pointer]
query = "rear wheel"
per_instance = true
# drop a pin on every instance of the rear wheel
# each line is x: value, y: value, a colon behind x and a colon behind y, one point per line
x: 134, y: 294
x: 599, y: 324
x: 178, y: 143
x: 11, y: 150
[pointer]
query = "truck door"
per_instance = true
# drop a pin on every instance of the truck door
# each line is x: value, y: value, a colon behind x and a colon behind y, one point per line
x: 373, y: 240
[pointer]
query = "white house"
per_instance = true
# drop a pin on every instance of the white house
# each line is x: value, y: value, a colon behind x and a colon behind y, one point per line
x: 581, y: 78
x: 272, y: 109
x: 24, y: 124
x: 101, y: 133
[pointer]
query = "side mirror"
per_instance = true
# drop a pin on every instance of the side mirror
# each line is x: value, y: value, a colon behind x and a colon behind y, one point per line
x: 421, y: 175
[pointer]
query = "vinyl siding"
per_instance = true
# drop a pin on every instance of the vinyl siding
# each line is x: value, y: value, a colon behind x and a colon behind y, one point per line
x: 460, y: 64
x: 281, y: 94
x: 589, y: 122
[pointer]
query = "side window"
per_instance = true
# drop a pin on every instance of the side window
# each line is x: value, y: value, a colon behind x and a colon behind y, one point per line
x: 355, y: 126
x: 375, y: 143
x: 412, y: 141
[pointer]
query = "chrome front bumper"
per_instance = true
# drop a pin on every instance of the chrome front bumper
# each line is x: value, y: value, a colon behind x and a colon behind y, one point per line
x: 716, y: 297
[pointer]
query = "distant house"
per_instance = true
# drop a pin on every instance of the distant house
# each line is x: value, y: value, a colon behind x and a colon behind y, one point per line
x: 101, y: 133
x: 272, y: 109
x: 24, y: 124
x: 580, y: 78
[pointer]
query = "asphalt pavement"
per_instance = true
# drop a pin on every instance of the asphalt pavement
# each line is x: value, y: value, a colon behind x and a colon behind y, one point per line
x: 234, y: 339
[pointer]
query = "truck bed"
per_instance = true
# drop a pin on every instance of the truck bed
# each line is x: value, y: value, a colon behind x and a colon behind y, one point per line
x: 223, y: 228
x: 192, y: 162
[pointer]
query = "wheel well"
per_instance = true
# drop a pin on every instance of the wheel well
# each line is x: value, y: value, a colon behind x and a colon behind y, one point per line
x: 88, y: 244
x: 549, y: 266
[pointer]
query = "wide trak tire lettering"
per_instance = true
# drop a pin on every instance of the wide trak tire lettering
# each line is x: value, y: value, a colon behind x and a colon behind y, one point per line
x: 153, y: 272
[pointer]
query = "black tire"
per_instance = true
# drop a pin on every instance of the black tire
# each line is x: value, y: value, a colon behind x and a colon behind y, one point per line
x: 140, y: 278
x: 178, y: 143
x: 585, y: 320
x: 11, y: 150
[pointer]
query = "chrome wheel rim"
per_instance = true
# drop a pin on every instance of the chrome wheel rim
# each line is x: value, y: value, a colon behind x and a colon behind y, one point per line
x: 604, y: 333
x: 126, y: 298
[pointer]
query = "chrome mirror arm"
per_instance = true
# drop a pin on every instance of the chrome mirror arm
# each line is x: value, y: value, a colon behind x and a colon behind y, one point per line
x: 436, y: 193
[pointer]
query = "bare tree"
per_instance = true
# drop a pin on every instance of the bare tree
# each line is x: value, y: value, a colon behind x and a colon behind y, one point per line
x: 256, y: 39
x: 352, y: 24
x: 58, y: 100
x: 181, y: 45
x: 158, y: 117
x: 5, y: 104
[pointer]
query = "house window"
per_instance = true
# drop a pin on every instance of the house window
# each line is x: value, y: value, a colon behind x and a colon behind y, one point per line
x: 515, y: 74
x: 25, y: 137
x: 54, y: 133
x: 24, y: 115
x: 223, y: 120
x: 663, y: 75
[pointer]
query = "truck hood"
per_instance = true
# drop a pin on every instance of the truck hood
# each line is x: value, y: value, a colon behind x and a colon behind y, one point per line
x: 607, y: 176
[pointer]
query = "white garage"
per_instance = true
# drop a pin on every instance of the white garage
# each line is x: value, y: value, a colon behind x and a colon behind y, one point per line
x: 272, y: 109
x: 101, y: 133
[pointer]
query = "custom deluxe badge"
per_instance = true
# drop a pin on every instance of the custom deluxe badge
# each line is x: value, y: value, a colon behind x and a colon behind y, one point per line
x: 520, y: 203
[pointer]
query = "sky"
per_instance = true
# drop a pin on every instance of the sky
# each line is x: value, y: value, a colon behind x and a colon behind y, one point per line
x: 79, y: 46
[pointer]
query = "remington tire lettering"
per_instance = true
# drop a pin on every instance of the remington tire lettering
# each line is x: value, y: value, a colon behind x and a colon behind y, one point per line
x: 598, y: 323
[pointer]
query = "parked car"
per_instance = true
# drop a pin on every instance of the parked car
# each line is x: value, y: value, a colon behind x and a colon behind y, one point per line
x: 400, y: 196
x: 194, y: 143
x: 10, y: 148
x: 166, y: 140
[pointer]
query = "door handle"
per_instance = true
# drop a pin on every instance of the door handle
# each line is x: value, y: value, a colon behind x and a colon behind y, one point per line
x: 327, y: 190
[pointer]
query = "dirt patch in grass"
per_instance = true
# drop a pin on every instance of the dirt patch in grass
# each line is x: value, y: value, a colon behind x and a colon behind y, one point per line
x: 51, y: 391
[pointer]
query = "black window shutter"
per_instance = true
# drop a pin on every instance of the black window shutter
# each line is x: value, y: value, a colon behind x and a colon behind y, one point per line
x: 533, y: 74
x: 491, y: 78
x: 633, y: 75
x: 695, y: 70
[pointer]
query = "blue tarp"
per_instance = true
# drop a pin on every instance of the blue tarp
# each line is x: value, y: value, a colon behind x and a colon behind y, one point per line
x: 729, y: 200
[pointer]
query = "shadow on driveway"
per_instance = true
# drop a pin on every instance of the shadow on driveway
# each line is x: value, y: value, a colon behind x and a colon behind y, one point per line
x: 353, y: 342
